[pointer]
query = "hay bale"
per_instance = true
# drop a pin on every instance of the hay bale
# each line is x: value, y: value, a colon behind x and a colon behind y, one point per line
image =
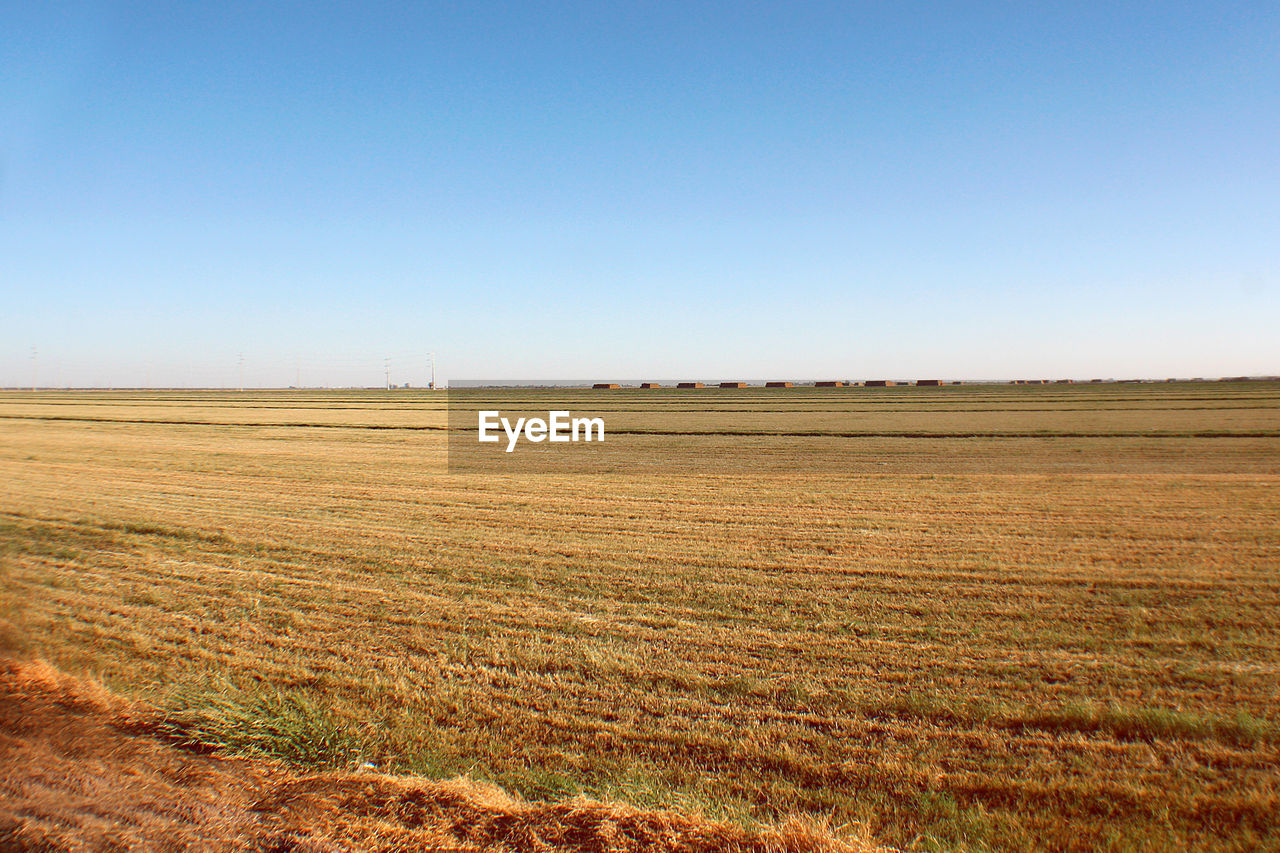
x: 829, y: 383
x: 650, y: 385
x: 930, y: 383
x: 733, y: 385
x: 605, y: 386
x: 690, y: 385
x: 778, y: 384
x: 880, y: 383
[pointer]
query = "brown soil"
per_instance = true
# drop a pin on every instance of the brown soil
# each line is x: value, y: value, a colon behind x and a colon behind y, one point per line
x: 81, y: 769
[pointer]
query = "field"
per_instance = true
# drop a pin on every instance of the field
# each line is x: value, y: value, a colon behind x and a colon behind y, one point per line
x: 975, y: 617
x: 83, y: 770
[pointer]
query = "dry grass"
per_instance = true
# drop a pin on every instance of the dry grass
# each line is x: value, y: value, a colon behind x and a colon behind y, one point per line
x: 82, y: 770
x: 1017, y: 618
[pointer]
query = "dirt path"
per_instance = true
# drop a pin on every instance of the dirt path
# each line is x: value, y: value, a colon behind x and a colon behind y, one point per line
x: 83, y: 770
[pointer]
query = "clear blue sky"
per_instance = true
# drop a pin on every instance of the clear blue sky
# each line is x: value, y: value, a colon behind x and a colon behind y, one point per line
x: 637, y: 190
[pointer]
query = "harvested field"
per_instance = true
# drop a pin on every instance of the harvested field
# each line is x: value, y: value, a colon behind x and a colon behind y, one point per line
x: 1010, y: 618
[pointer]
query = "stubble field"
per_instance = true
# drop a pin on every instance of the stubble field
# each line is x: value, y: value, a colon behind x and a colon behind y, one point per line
x: 982, y: 617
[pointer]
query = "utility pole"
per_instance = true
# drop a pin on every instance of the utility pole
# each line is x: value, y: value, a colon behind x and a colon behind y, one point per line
x: 386, y: 363
x: 432, y: 384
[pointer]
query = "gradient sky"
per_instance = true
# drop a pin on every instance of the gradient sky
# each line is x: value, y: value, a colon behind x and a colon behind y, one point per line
x: 635, y: 190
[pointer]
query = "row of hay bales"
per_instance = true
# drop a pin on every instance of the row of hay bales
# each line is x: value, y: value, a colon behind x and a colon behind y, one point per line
x: 826, y: 383
x: 890, y: 383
